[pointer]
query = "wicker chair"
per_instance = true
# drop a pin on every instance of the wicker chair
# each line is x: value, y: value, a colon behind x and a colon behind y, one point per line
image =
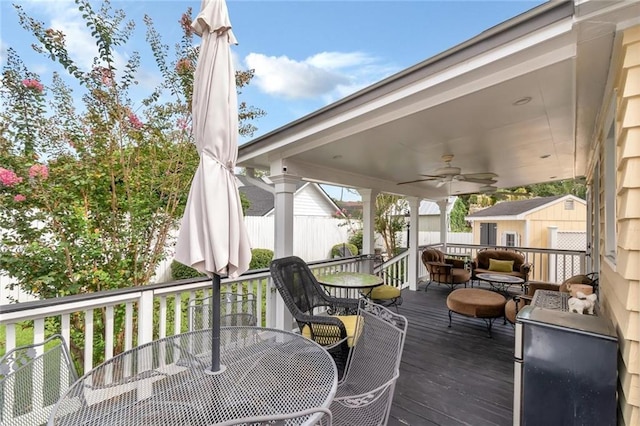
x: 236, y: 309
x: 32, y: 380
x: 365, y: 393
x: 306, y: 300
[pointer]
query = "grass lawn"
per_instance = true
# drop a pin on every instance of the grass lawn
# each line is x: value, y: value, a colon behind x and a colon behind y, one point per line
x: 23, y: 337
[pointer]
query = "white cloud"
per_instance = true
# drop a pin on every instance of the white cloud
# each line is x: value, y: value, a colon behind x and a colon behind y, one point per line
x: 326, y: 75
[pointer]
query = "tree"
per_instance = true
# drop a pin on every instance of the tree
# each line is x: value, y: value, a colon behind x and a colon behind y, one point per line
x: 387, y: 222
x: 88, y: 196
x: 458, y: 212
x: 575, y: 187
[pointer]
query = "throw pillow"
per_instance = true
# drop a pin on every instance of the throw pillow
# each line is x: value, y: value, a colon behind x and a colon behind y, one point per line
x: 500, y: 265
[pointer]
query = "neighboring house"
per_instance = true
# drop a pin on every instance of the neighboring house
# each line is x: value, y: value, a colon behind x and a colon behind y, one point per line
x: 527, y: 223
x: 309, y: 199
x: 429, y: 215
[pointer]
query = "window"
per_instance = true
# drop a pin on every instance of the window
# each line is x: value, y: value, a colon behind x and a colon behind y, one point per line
x: 609, y: 185
x: 510, y: 239
x: 568, y: 205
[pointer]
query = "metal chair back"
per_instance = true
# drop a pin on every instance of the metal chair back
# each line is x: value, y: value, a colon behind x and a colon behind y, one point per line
x: 32, y: 380
x: 365, y: 393
x: 236, y: 309
x: 309, y: 303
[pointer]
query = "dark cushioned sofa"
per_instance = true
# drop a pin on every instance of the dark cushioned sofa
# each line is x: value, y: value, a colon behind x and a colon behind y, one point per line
x: 481, y: 263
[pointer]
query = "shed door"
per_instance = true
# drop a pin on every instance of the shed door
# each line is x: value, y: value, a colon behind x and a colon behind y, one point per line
x: 488, y: 233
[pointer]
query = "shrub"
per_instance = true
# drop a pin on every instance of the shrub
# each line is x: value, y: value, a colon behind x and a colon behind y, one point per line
x: 337, y: 250
x: 181, y: 272
x: 260, y: 258
x: 356, y: 239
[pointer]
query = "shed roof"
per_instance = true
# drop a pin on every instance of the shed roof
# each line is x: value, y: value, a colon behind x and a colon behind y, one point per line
x: 514, y: 208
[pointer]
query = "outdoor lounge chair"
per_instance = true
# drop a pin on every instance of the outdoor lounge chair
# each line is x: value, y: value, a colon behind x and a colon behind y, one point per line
x: 450, y: 272
x: 507, y: 261
x: 32, y: 380
x: 329, y: 321
x: 365, y: 393
x: 518, y: 302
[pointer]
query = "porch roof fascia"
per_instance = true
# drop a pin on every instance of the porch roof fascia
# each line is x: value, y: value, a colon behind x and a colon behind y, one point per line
x: 492, y: 38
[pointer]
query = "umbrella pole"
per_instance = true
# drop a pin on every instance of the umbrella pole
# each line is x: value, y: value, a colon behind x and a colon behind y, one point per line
x: 216, y: 368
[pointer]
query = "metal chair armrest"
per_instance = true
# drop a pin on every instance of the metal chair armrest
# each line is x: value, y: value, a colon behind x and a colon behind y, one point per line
x: 364, y: 399
x: 273, y: 419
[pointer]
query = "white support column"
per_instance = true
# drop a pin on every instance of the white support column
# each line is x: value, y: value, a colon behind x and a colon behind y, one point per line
x: 414, y: 232
x: 368, y: 219
x: 552, y: 243
x: 444, y: 219
x: 285, y: 186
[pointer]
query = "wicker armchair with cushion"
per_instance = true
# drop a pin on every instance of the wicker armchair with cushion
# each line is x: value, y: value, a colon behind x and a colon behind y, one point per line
x: 450, y: 272
x: 305, y: 297
x: 509, y: 262
x: 585, y: 283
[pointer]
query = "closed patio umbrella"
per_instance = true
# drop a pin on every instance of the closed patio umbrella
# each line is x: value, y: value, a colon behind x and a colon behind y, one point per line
x: 213, y: 238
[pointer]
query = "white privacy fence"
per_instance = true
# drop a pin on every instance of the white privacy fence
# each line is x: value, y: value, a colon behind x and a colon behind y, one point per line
x: 313, y: 238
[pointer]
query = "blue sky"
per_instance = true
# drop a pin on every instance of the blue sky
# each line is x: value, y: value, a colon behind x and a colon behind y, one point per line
x: 306, y: 54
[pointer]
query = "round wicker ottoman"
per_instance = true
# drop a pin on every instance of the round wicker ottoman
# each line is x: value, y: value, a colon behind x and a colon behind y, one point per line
x: 477, y: 303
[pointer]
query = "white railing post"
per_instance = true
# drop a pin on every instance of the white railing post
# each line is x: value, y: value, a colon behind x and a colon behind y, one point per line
x: 145, y: 317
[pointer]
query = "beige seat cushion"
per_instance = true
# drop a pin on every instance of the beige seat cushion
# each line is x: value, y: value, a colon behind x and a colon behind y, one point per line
x: 477, y: 303
x: 349, y: 321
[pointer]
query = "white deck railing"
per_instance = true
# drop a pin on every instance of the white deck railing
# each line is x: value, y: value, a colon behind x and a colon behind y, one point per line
x: 150, y: 311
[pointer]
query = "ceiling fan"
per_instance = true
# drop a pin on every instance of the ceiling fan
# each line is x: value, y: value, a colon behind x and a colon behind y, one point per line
x: 449, y: 173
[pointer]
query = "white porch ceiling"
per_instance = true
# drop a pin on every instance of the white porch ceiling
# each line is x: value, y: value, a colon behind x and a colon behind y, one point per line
x: 399, y: 129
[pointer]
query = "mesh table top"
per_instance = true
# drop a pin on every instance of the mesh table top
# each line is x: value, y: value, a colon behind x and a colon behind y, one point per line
x: 267, y: 372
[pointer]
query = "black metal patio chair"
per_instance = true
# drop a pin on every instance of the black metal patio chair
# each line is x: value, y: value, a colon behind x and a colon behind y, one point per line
x: 319, y: 316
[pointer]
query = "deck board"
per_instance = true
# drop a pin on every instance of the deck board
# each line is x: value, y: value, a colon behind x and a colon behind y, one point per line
x: 452, y: 376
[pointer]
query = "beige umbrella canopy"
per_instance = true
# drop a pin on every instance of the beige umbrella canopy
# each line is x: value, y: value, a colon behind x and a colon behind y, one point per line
x: 213, y: 238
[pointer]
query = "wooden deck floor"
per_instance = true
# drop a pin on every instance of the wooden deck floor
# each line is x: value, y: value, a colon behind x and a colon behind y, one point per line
x: 452, y: 376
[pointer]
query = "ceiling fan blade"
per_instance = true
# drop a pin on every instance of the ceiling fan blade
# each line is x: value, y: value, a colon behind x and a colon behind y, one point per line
x: 476, y: 180
x: 440, y: 183
x: 483, y: 176
x: 432, y: 177
x: 413, y: 181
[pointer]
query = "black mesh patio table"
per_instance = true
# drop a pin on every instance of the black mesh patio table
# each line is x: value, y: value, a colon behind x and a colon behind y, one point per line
x: 267, y: 372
